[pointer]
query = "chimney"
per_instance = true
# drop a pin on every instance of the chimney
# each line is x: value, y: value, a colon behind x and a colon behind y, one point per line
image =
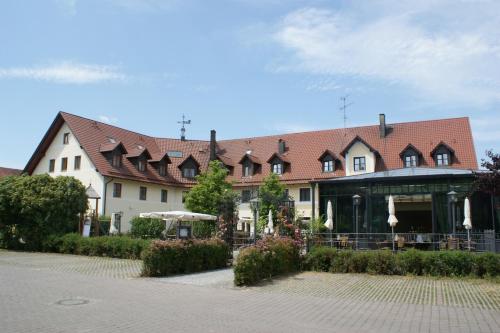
x: 382, y: 126
x: 281, y: 146
x: 213, y: 143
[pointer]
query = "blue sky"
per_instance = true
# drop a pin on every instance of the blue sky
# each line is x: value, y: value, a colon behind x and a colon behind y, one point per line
x: 245, y: 67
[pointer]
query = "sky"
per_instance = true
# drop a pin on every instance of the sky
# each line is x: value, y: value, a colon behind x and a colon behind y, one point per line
x: 245, y: 67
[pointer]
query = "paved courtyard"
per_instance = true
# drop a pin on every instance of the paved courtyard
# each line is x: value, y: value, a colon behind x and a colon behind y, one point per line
x: 64, y: 293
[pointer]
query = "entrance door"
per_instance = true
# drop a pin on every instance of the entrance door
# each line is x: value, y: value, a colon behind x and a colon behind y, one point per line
x: 414, y: 213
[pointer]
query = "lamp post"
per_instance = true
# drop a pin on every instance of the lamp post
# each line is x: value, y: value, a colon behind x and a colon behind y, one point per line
x: 356, y: 200
x: 255, y: 204
x: 452, y: 200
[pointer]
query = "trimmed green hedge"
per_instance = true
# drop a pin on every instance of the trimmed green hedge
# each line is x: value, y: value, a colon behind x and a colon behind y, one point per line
x: 442, y: 263
x: 146, y: 228
x: 163, y: 258
x: 269, y: 257
x: 106, y: 246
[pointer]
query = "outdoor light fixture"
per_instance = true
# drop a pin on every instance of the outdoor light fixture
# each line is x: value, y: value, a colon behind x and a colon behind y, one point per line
x: 254, y: 205
x: 356, y: 200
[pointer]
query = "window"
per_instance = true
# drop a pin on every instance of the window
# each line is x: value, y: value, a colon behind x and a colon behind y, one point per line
x: 117, y: 190
x: 116, y: 160
x: 164, y: 195
x: 184, y: 194
x: 277, y: 168
x: 189, y: 172
x: 359, y: 163
x: 52, y: 165
x: 64, y: 164
x: 141, y: 165
x: 66, y: 138
x: 410, y: 161
x: 143, y: 192
x: 328, y: 166
x: 162, y: 169
x: 287, y: 194
x: 78, y: 162
x: 246, y: 195
x: 247, y: 170
x: 442, y: 159
x: 305, y: 194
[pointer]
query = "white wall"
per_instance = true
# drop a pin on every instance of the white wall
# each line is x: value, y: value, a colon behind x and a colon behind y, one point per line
x: 129, y: 204
x: 359, y: 150
x: 57, y: 150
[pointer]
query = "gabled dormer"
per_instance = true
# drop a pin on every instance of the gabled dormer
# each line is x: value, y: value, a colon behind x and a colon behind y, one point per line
x: 279, y: 164
x: 160, y: 162
x: 359, y: 157
x: 190, y: 167
x: 443, y: 155
x: 139, y: 157
x: 328, y: 161
x: 227, y: 162
x: 113, y: 152
x: 250, y: 165
x: 411, y: 156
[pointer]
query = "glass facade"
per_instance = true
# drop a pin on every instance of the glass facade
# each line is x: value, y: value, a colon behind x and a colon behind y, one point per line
x: 422, y: 205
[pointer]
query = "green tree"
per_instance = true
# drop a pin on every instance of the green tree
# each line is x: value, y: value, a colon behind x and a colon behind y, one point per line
x: 489, y: 181
x: 33, y: 207
x: 271, y: 193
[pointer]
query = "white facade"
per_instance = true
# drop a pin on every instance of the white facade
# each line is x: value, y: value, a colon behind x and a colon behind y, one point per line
x: 128, y: 205
x: 359, y: 149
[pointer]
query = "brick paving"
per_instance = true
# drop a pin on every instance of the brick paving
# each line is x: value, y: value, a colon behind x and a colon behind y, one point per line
x: 53, y: 293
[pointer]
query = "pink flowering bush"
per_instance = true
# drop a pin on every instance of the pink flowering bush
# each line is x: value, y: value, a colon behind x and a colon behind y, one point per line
x: 269, y: 257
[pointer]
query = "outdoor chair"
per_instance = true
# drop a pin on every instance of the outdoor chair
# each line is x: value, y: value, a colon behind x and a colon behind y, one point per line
x: 344, y: 242
x: 401, y: 243
x: 453, y: 243
x: 443, y: 245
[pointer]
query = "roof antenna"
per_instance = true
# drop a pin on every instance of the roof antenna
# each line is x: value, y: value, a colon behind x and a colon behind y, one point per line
x: 183, y: 129
x: 343, y: 107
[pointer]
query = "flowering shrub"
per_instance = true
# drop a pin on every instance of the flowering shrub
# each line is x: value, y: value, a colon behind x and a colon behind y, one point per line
x: 268, y: 258
x: 164, y: 258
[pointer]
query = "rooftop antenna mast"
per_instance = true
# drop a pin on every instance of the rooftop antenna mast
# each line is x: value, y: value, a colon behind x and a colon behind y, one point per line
x: 183, y: 128
x: 343, y: 107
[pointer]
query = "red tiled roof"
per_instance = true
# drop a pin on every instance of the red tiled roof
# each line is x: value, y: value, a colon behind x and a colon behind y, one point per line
x: 4, y: 172
x: 303, y: 149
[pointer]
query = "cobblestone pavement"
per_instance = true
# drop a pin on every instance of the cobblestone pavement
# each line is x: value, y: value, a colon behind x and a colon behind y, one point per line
x: 38, y: 295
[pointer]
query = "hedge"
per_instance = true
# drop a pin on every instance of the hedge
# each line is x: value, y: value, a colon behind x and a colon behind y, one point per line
x: 163, y: 258
x: 414, y: 262
x: 269, y: 257
x: 106, y: 246
x: 147, y: 228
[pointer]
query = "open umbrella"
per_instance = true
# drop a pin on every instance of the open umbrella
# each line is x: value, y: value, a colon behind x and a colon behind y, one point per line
x: 392, y: 218
x: 329, y: 218
x: 467, y: 221
x: 270, y: 225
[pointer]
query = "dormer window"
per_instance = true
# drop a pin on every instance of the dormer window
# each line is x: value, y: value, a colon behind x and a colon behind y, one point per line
x: 250, y: 165
x: 113, y: 153
x: 443, y: 155
x: 410, y: 156
x: 328, y: 165
x: 189, y: 168
x: 247, y: 170
x: 141, y: 165
x: 162, y: 169
x: 360, y: 163
x: 411, y: 161
x: 277, y: 168
x: 159, y: 161
x: 327, y: 160
x: 139, y: 157
x: 116, y: 159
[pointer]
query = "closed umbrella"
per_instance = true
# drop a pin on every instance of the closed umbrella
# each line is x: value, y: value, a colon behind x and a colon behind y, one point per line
x: 467, y: 221
x: 392, y: 218
x: 270, y: 224
x: 329, y: 219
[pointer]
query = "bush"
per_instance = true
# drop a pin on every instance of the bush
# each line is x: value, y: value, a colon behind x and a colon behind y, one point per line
x: 442, y: 263
x: 163, y: 258
x: 146, y: 228
x: 269, y: 257
x: 106, y: 246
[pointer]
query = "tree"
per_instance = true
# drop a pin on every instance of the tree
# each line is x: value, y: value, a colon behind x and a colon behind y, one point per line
x: 271, y: 193
x: 489, y: 181
x: 33, y: 207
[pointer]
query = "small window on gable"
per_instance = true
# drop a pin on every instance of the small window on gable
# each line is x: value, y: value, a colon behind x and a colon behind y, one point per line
x: 116, y: 159
x: 188, y: 172
x: 141, y: 165
x: 52, y: 165
x: 328, y: 165
x: 411, y: 161
x: 164, y: 195
x: 410, y: 156
x: 143, y: 191
x: 442, y: 159
x: 78, y: 162
x: 189, y: 168
x: 443, y: 155
x: 66, y: 138
x: 327, y: 160
x: 64, y: 164
x: 162, y: 169
x: 277, y: 168
x: 247, y: 169
x: 360, y: 163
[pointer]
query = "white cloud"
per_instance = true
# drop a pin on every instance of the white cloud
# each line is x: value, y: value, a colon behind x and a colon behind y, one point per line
x: 444, y: 50
x: 108, y: 119
x: 65, y: 72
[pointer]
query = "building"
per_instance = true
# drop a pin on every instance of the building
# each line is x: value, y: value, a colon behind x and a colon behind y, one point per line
x: 4, y: 172
x: 134, y: 173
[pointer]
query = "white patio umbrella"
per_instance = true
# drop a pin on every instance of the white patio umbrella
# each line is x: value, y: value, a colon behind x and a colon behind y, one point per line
x: 392, y: 218
x: 178, y: 216
x: 112, y: 227
x: 270, y: 225
x: 467, y: 221
x: 329, y: 219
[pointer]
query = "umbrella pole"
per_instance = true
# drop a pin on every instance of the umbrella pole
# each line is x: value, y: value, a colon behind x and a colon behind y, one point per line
x: 468, y: 237
x: 393, y: 245
x: 331, y: 238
